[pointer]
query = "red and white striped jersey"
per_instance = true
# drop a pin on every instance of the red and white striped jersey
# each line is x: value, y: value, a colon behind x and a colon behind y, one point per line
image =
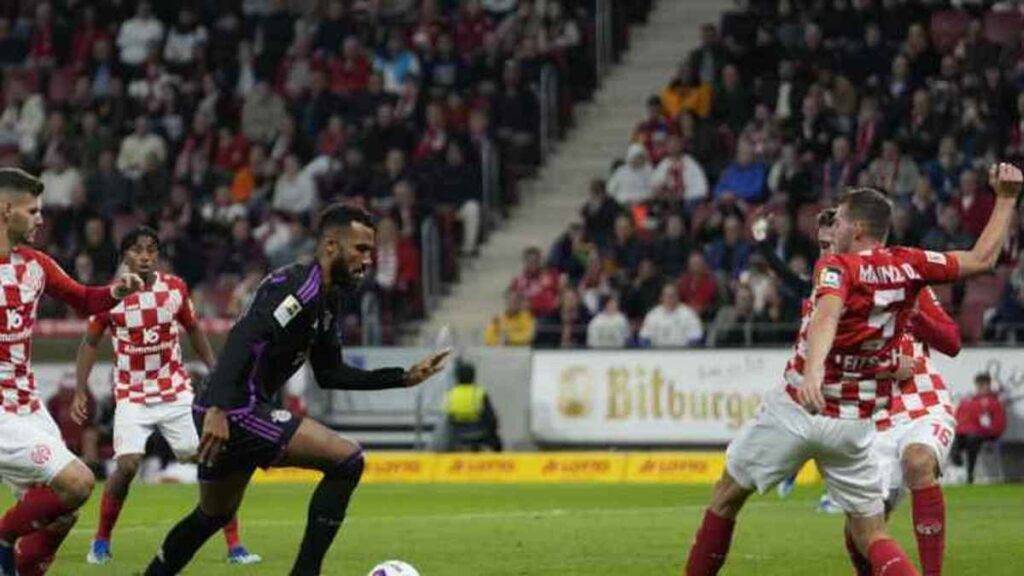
x: 923, y: 394
x: 145, y: 330
x: 25, y: 275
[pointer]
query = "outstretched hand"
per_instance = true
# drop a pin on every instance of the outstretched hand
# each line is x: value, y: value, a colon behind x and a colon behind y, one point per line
x: 1006, y: 179
x: 426, y: 368
x: 127, y: 284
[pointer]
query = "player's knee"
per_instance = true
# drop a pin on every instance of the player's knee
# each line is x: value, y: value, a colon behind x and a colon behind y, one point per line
x: 350, y: 469
x: 728, y: 497
x: 76, y: 485
x: 919, y: 466
x: 128, y: 466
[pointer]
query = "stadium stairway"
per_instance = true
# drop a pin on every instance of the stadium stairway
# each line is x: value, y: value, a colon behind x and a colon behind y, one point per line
x: 550, y: 201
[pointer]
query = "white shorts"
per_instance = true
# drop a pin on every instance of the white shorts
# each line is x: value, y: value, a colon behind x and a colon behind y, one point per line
x: 784, y: 436
x: 936, y: 432
x: 135, y: 423
x: 32, y: 450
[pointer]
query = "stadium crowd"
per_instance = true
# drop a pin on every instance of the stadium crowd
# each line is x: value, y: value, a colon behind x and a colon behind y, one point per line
x: 224, y: 124
x: 781, y: 106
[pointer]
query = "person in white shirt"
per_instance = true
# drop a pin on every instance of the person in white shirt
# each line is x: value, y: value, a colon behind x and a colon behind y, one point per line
x: 137, y: 146
x: 139, y: 36
x: 184, y: 40
x: 631, y: 182
x: 295, y: 190
x: 679, y: 175
x: 60, y: 183
x: 671, y: 324
x: 610, y: 328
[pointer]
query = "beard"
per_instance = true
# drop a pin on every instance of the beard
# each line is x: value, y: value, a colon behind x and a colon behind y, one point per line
x: 341, y: 277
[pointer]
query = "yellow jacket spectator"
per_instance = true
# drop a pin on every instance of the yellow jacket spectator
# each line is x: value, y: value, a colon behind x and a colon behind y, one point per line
x: 472, y: 422
x: 686, y: 92
x: 513, y: 327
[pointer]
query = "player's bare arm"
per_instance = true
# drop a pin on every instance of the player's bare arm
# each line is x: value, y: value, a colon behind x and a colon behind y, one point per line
x: 821, y: 332
x: 201, y: 345
x: 1006, y: 179
x: 84, y: 363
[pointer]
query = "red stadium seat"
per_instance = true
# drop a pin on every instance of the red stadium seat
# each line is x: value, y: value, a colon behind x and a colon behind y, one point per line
x: 947, y: 28
x: 1003, y: 27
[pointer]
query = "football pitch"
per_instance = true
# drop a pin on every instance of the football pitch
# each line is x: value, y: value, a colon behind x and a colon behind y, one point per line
x: 518, y: 529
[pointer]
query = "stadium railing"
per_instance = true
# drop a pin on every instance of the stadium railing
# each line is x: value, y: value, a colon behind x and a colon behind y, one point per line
x: 549, y: 95
x: 430, y: 246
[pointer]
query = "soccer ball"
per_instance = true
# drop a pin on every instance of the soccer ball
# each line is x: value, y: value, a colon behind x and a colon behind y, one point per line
x: 393, y: 568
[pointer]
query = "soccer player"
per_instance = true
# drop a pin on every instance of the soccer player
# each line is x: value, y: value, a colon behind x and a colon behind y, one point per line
x: 152, y: 389
x: 293, y: 317
x: 50, y: 481
x: 863, y: 300
x: 913, y: 440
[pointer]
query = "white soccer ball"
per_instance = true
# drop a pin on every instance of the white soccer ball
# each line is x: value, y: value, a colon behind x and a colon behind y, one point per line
x: 393, y: 568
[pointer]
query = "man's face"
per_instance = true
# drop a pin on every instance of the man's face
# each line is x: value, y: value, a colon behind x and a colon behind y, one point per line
x: 353, y: 253
x: 142, y: 256
x: 23, y: 214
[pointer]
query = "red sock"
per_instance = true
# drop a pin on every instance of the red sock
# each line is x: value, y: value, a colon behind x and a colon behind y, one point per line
x: 231, y: 533
x: 710, y: 546
x: 888, y: 559
x: 35, y: 551
x: 929, y: 511
x: 37, y: 508
x: 110, y: 509
x: 860, y: 563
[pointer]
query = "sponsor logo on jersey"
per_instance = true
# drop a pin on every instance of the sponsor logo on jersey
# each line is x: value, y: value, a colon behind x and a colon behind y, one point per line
x: 280, y: 416
x: 831, y: 278
x: 935, y: 257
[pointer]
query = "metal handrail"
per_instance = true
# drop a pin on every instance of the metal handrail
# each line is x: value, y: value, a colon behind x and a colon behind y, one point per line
x: 369, y: 312
x: 490, y: 177
x: 430, y: 246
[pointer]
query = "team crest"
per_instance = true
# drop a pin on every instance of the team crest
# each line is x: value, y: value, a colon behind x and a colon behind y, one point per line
x: 831, y: 278
x: 41, y: 454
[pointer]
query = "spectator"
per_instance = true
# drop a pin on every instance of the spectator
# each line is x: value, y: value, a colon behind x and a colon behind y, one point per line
x: 107, y: 190
x: 336, y: 27
x: 537, y: 284
x: 949, y: 235
x: 893, y: 172
x: 679, y: 176
x: 735, y: 325
x: 840, y: 171
x: 923, y: 128
x: 397, y: 274
x: 732, y: 105
x: 698, y: 287
x: 708, y: 59
x: 137, y: 147
x: 671, y: 324
x: 869, y: 130
x: 96, y: 243
x: 631, y: 182
x: 609, y: 328
x: 655, y: 130
x: 185, y: 42
x: 686, y: 92
x: 472, y: 421
x: 980, y: 418
x: 262, y: 114
x: 408, y: 212
x: 459, y: 196
x: 294, y: 192
x: 570, y: 254
x: 599, y: 214
x: 396, y: 62
x: 513, y: 327
x: 61, y: 182
x: 627, y: 250
x: 944, y: 171
x: 567, y: 326
x: 744, y: 179
x: 672, y: 249
x: 1007, y: 321
x: 814, y: 129
x: 642, y: 290
x: 787, y: 242
x: 729, y: 255
x: 140, y: 36
x: 789, y: 178
x: 974, y: 202
x: 350, y: 72
x: 517, y: 116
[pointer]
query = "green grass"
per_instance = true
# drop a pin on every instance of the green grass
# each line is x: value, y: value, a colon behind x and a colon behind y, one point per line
x: 474, y: 530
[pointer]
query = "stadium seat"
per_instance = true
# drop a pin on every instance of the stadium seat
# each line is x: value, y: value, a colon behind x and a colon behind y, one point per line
x: 947, y: 28
x: 1003, y: 27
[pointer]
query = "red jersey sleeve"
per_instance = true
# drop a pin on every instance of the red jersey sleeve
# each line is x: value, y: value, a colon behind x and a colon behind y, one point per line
x: 98, y: 324
x: 831, y: 277
x: 932, y: 267
x: 84, y: 299
x: 187, y: 312
x: 933, y: 326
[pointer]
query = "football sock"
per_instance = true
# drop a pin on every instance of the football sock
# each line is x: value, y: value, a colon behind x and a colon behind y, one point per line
x: 326, y: 513
x: 888, y: 559
x: 231, y: 533
x: 929, y: 512
x: 110, y: 509
x: 37, y: 508
x: 710, y: 546
x: 183, y: 541
x: 35, y: 551
x: 860, y: 563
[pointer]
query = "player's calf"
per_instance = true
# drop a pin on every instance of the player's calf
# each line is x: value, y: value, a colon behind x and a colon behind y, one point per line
x: 714, y: 537
x: 35, y: 551
x: 920, y: 473
x: 327, y: 512
x: 884, y: 554
x: 184, y: 540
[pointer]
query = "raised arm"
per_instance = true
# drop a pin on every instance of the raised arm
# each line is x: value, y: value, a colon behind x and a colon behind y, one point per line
x: 1006, y: 179
x: 84, y: 299
x: 933, y: 326
x: 791, y: 280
